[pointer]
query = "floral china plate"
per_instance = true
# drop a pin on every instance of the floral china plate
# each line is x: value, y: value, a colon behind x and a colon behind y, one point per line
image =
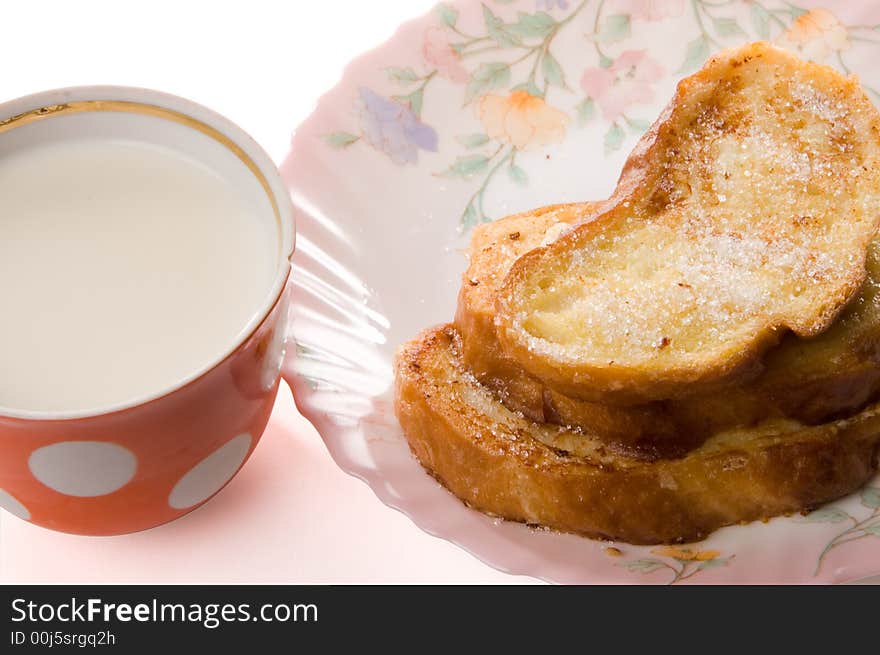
x: 476, y: 111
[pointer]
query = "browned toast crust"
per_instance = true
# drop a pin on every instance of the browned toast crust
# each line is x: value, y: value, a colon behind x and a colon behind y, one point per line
x: 500, y: 463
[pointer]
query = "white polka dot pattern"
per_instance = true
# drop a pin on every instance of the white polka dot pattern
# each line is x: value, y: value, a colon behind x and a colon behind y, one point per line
x: 84, y: 469
x: 208, y: 476
x: 14, y: 506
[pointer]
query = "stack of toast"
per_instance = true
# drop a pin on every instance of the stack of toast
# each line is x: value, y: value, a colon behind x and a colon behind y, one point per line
x: 699, y: 350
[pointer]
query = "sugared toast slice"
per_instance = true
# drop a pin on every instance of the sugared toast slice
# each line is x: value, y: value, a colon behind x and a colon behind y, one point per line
x: 503, y: 464
x: 493, y: 249
x: 745, y: 212
x: 646, y: 431
x: 810, y: 380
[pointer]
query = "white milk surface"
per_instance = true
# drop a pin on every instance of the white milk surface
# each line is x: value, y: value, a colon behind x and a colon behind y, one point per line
x: 125, y: 268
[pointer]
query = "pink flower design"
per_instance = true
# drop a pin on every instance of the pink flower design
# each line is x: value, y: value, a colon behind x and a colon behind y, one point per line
x: 651, y: 10
x: 438, y: 52
x: 628, y: 81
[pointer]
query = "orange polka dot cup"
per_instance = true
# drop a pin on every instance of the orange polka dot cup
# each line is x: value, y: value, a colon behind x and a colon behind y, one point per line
x: 145, y: 248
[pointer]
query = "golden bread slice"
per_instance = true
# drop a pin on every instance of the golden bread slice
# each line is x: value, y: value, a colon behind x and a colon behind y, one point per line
x: 494, y: 247
x: 836, y: 372
x: 646, y: 431
x: 499, y: 462
x: 811, y: 380
x: 745, y: 212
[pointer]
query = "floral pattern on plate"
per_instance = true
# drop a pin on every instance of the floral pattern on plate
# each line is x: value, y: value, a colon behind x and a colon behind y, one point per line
x: 483, y: 109
x: 526, y: 95
x: 682, y: 563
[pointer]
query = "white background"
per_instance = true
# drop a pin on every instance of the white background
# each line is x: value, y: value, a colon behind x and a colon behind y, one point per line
x: 291, y: 515
x: 261, y: 63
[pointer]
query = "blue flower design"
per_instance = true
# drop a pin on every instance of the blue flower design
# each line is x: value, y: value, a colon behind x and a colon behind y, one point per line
x: 394, y: 128
x: 550, y: 4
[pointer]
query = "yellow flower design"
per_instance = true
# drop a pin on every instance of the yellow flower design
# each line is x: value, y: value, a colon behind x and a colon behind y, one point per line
x: 686, y: 554
x: 816, y: 35
x: 522, y: 120
x: 688, y: 562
